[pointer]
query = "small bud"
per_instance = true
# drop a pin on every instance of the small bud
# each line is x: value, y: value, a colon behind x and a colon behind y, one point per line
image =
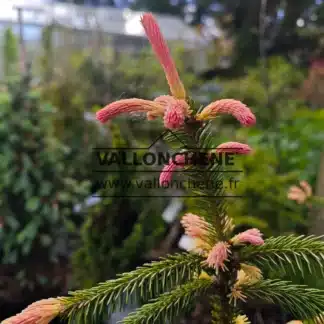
x: 40, y: 312
x: 218, y: 255
x: 194, y: 225
x: 161, y: 50
x: 128, y: 106
x: 241, y: 319
x: 167, y: 171
x: 252, y: 236
x: 233, y: 147
x: 228, y: 106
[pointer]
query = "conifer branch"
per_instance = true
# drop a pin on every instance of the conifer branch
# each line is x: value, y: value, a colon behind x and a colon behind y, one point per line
x: 142, y: 284
x: 169, y: 305
x: 198, y: 138
x: 301, y: 301
x: 294, y: 252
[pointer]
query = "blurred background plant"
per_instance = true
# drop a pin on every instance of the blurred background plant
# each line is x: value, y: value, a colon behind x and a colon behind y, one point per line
x: 122, y: 229
x: 279, y: 160
x: 10, y: 54
x: 36, y: 196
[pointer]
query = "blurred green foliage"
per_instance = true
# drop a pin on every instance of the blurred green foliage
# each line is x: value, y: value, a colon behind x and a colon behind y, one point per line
x: 286, y: 140
x: 143, y: 77
x: 10, y: 54
x: 36, y: 192
x: 119, y: 231
x: 272, y: 93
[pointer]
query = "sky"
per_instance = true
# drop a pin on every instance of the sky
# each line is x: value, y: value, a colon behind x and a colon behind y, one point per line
x: 23, y: 2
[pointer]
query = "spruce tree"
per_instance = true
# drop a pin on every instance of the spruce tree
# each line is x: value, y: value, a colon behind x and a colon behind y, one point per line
x: 227, y: 267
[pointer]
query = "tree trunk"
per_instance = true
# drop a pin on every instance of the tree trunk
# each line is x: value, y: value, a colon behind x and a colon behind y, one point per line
x: 317, y: 221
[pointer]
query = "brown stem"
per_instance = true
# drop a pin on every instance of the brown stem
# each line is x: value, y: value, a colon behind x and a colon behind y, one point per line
x: 227, y: 280
x: 225, y: 311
